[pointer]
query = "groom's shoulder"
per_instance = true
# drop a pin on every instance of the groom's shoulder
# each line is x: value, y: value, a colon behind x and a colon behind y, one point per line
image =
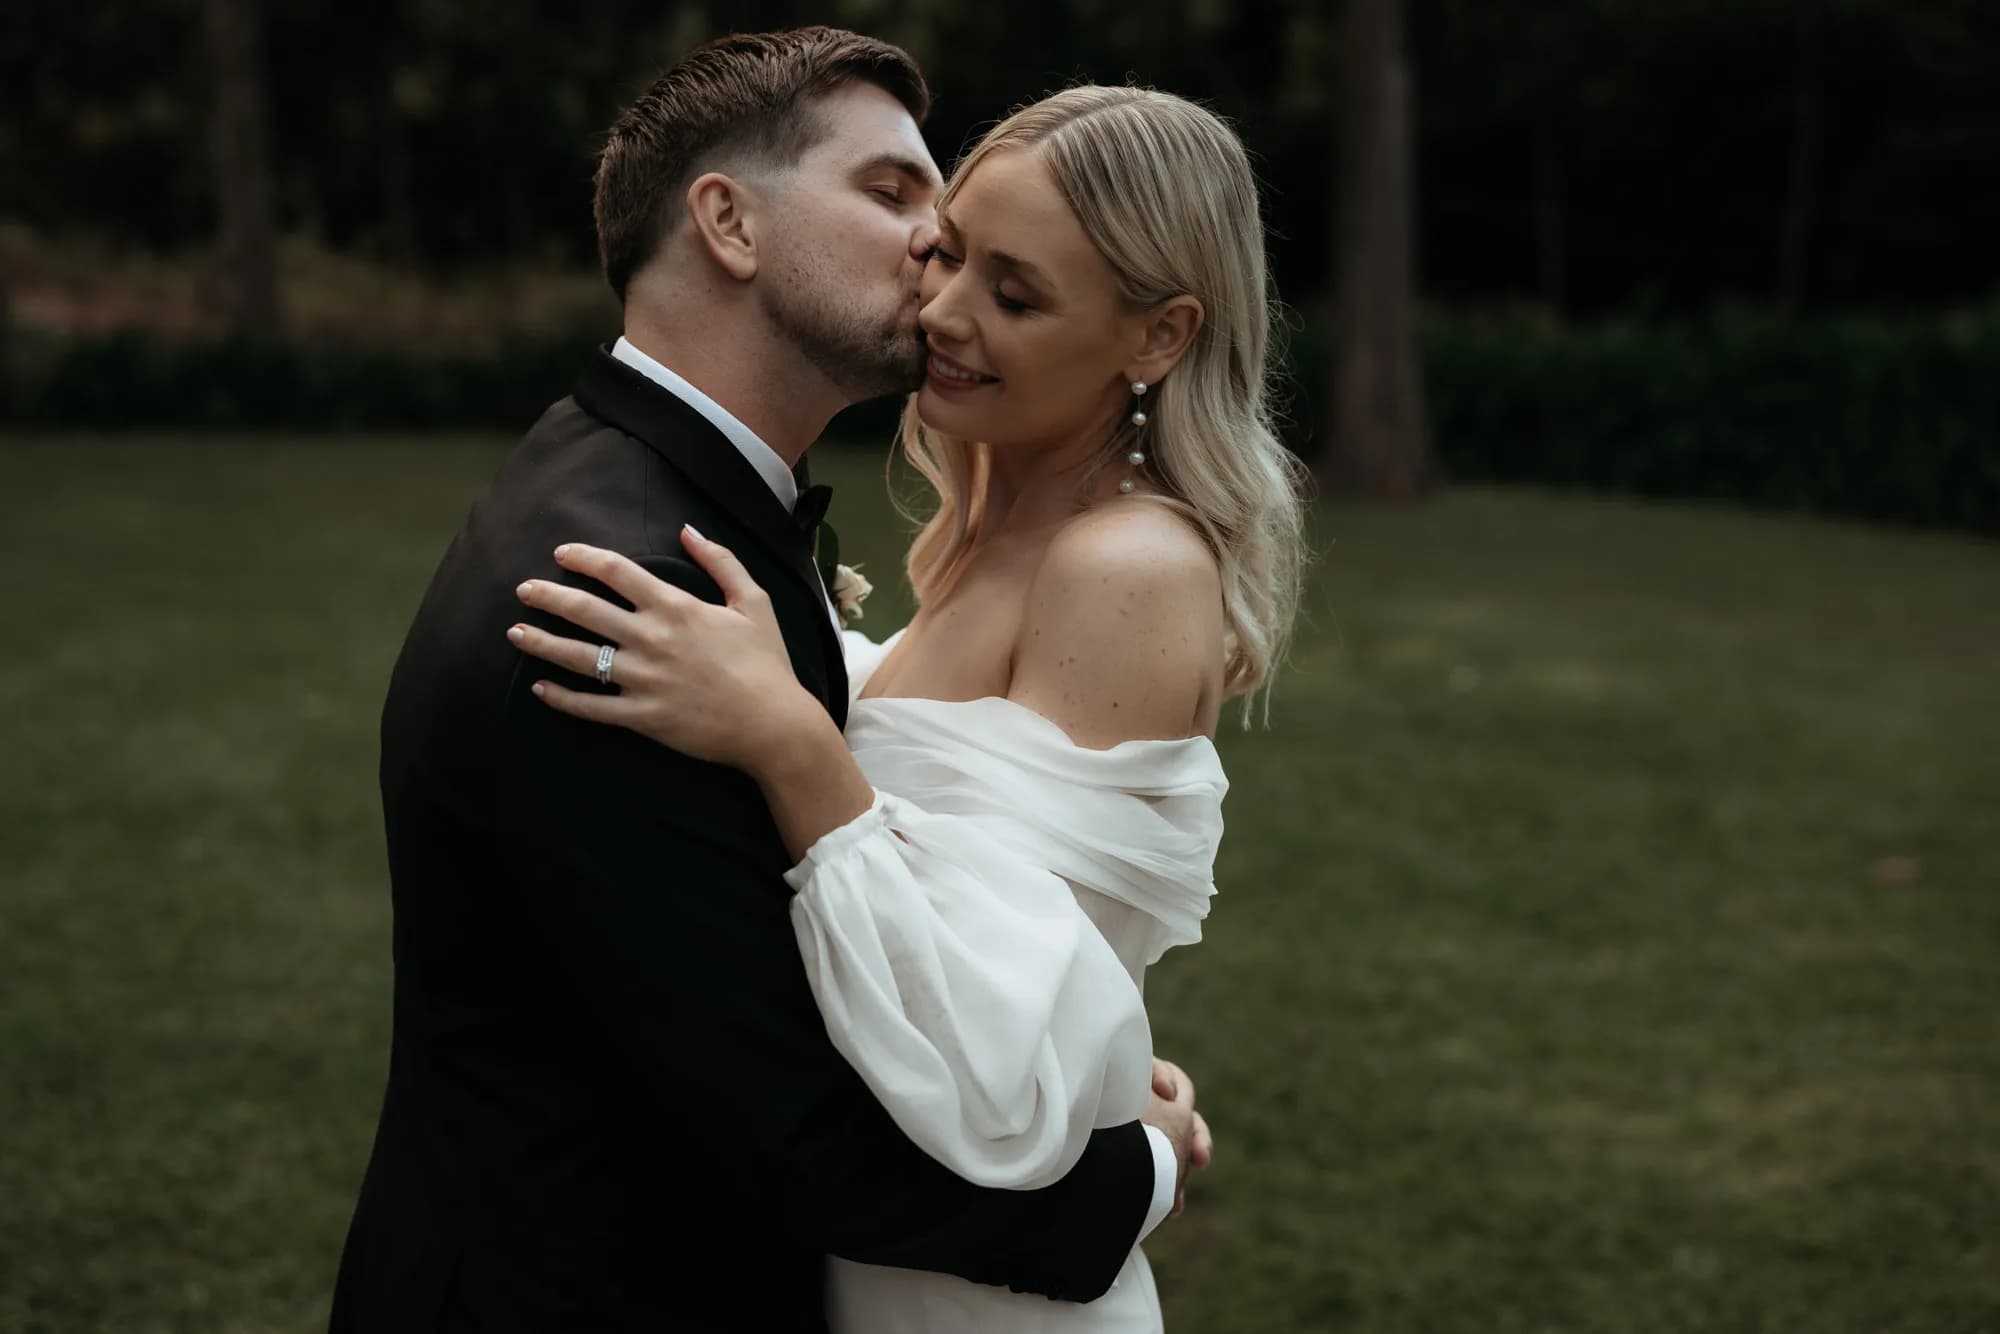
x: 591, y: 477
x: 566, y: 422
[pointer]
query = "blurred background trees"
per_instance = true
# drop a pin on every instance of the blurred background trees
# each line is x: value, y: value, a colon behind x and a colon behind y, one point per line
x: 1588, y: 155
x: 419, y: 173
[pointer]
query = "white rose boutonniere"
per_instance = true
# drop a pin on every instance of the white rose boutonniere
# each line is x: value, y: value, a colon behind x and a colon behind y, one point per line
x: 850, y: 590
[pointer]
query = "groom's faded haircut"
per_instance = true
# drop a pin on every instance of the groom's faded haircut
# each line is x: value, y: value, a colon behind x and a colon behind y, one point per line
x: 745, y: 98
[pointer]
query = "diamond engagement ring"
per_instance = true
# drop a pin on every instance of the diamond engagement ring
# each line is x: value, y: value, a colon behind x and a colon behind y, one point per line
x: 604, y: 657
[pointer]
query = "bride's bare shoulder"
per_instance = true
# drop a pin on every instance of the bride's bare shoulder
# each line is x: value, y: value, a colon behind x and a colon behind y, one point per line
x: 1122, y: 634
x: 1132, y: 523
x: 1131, y: 548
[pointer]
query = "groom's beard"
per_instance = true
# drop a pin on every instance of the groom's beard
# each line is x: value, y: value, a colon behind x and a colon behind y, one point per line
x: 865, y: 357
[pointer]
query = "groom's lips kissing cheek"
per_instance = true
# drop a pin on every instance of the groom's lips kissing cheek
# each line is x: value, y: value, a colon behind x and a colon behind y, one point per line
x: 953, y: 377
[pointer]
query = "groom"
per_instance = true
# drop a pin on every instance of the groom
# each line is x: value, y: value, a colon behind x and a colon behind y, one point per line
x: 612, y: 1103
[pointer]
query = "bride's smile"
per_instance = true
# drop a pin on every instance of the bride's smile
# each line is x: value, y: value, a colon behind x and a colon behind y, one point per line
x: 951, y: 376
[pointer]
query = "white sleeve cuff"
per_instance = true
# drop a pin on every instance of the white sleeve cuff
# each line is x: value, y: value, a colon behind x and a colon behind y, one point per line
x: 1166, y: 1176
x: 838, y: 841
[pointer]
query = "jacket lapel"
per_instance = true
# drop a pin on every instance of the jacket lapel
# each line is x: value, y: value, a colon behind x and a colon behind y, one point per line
x: 614, y: 392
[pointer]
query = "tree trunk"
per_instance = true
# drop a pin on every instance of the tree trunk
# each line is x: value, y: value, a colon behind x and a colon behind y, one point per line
x: 1551, y: 235
x: 7, y: 386
x: 239, y: 144
x: 399, y: 210
x: 1378, y: 448
x: 1801, y: 181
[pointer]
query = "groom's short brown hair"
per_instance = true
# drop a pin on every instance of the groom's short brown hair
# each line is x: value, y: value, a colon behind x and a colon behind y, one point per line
x: 749, y: 95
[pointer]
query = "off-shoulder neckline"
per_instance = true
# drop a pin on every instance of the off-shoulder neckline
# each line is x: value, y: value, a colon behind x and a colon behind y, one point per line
x: 923, y: 702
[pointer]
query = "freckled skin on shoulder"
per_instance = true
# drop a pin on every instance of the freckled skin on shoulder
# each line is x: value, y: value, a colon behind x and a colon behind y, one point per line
x: 1122, y: 635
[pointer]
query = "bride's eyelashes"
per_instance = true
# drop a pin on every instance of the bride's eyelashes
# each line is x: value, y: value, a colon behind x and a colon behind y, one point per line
x: 1000, y: 298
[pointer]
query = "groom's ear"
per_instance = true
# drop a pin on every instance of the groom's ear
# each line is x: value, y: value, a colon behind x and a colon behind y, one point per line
x: 725, y: 223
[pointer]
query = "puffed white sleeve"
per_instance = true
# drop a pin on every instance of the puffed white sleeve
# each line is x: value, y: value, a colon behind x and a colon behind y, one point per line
x: 970, y: 991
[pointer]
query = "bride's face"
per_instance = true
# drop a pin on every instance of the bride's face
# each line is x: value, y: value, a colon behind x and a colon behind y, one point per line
x: 1028, y: 338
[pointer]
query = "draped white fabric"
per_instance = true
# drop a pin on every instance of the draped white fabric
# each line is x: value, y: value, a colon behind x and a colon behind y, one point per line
x: 977, y: 942
x: 989, y: 1010
x: 979, y: 1003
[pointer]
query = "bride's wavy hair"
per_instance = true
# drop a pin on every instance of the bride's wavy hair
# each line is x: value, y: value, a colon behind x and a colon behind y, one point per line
x: 1164, y: 190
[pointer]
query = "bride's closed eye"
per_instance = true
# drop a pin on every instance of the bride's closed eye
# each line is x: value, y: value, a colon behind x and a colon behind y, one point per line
x: 1007, y: 303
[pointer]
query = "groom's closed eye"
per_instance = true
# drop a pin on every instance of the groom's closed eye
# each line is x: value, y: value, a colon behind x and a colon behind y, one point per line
x: 899, y: 179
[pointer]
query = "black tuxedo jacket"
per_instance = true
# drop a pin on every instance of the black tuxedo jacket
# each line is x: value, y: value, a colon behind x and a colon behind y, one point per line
x: 612, y: 1104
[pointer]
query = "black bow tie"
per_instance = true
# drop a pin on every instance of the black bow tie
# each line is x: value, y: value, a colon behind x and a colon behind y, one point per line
x: 811, y: 509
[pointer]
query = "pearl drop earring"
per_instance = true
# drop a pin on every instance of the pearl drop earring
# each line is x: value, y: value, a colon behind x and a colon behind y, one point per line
x: 1137, y: 458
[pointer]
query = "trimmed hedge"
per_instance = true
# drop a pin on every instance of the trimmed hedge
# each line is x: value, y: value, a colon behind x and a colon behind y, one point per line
x: 1877, y: 419
x: 134, y: 380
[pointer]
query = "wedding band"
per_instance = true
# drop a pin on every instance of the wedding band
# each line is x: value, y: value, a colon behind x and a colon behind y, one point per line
x: 604, y: 657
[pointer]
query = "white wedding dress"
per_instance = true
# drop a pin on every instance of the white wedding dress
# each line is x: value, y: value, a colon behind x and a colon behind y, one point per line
x: 977, y: 942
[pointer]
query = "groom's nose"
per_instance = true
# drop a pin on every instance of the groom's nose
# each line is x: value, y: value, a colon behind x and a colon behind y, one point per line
x: 923, y: 239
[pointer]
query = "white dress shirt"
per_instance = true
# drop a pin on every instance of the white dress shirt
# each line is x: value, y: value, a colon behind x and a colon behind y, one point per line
x: 778, y: 476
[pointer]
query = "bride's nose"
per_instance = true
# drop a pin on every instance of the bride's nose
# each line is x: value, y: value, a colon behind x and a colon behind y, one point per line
x: 943, y: 316
x: 943, y: 311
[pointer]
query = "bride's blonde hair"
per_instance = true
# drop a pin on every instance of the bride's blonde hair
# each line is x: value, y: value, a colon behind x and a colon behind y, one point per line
x: 1164, y: 190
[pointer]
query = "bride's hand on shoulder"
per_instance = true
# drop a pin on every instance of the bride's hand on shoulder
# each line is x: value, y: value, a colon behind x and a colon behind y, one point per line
x: 714, y: 682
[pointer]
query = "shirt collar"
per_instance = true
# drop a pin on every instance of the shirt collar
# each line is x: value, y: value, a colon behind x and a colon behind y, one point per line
x: 775, y: 472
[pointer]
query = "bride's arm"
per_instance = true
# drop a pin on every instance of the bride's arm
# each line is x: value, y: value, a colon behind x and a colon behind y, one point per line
x: 811, y: 782
x: 965, y: 984
x: 968, y: 988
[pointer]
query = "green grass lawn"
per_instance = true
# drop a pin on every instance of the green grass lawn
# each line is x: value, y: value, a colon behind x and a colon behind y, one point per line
x: 1609, y: 936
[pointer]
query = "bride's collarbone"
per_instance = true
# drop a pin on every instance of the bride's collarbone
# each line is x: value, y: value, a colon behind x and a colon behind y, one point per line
x: 964, y: 646
x: 960, y: 649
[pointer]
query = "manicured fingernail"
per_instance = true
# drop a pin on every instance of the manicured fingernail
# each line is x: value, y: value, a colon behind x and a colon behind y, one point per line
x: 525, y: 589
x: 697, y: 533
x: 540, y: 688
x: 517, y: 634
x: 562, y: 551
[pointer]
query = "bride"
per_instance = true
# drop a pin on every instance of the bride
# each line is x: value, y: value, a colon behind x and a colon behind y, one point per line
x: 1024, y: 811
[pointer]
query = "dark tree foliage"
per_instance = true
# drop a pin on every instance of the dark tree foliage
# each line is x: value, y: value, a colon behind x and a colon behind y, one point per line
x: 1593, y: 155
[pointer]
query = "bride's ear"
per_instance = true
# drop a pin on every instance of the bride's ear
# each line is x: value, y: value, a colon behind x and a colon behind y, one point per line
x: 725, y: 223
x: 1167, y: 331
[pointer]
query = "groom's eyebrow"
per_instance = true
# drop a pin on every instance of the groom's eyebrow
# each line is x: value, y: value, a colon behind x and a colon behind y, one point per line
x: 923, y: 173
